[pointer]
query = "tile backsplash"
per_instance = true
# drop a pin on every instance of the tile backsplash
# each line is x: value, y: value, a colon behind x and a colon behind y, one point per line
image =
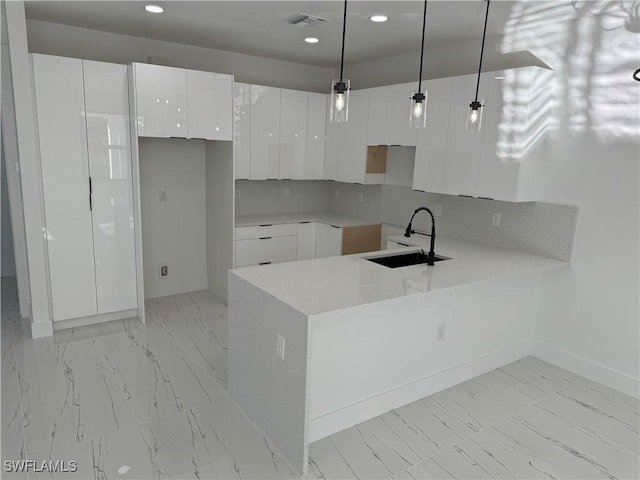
x: 541, y: 228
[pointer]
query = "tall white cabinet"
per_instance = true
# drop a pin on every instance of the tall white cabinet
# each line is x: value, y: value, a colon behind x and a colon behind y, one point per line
x: 85, y: 151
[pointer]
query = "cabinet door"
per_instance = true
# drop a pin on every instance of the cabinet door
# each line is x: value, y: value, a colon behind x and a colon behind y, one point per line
x: 107, y: 116
x: 161, y: 98
x: 335, y: 241
x: 332, y: 134
x: 401, y: 131
x: 431, y: 148
x: 59, y: 96
x: 316, y: 122
x: 352, y: 144
x: 265, y: 133
x: 242, y: 130
x: 379, y: 122
x: 209, y: 105
x: 463, y: 148
x: 503, y: 133
x: 322, y: 240
x: 294, y: 108
x: 306, y: 240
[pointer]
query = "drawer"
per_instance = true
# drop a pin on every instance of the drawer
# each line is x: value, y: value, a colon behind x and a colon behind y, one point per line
x: 254, y: 251
x: 393, y: 244
x: 261, y: 231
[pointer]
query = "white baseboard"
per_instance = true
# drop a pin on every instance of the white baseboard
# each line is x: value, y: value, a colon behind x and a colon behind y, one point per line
x: 594, y: 371
x: 161, y: 288
x: 368, y: 408
x: 93, y: 319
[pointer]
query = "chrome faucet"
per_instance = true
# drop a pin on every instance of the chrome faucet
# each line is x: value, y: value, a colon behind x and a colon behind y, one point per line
x: 432, y: 254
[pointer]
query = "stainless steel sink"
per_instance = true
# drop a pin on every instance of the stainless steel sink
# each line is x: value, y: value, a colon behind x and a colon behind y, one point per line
x: 405, y: 259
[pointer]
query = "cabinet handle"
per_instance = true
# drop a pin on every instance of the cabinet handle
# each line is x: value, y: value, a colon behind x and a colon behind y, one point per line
x: 403, y: 244
x: 304, y: 222
x: 264, y: 263
x: 486, y: 198
x: 333, y: 226
x: 90, y: 195
x: 465, y: 196
x: 265, y: 238
x: 266, y: 225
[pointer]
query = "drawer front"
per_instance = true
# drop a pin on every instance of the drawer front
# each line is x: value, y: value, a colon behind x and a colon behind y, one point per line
x: 256, y: 251
x: 392, y: 244
x: 261, y: 231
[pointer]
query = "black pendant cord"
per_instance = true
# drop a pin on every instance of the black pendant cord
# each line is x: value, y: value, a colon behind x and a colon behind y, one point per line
x: 424, y: 25
x: 484, y: 34
x: 344, y: 32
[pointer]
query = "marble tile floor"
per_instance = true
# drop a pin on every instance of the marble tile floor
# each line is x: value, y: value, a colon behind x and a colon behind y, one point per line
x: 127, y: 400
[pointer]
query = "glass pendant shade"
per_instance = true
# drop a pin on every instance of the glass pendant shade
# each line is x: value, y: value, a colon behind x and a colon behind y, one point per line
x: 339, y: 108
x: 418, y: 109
x: 474, y: 118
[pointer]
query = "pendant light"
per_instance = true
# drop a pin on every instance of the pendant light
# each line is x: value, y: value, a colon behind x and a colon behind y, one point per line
x: 474, y: 120
x: 418, y: 112
x: 339, y: 112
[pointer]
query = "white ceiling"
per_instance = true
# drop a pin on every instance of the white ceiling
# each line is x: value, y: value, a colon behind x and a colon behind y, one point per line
x: 257, y: 27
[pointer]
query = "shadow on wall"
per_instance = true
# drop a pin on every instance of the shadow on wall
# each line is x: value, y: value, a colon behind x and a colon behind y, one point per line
x: 593, y: 47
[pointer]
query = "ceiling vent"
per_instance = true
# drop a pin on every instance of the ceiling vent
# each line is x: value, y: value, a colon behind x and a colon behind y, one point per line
x: 304, y: 20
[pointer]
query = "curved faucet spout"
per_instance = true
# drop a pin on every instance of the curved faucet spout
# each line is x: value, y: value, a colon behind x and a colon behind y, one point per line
x: 409, y: 230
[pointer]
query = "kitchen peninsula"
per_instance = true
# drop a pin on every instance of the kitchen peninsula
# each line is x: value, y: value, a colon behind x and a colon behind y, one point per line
x: 320, y: 345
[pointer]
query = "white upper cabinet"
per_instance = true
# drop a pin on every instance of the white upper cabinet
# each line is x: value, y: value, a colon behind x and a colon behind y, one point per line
x: 174, y: 102
x: 265, y: 133
x: 161, y: 99
x: 402, y: 133
x: 332, y: 137
x: 294, y: 107
x: 515, y: 120
x: 389, y: 116
x: 431, y: 148
x: 380, y: 107
x: 464, y: 149
x: 209, y: 97
x: 352, y: 142
x: 242, y: 130
x: 316, y: 133
x: 106, y: 92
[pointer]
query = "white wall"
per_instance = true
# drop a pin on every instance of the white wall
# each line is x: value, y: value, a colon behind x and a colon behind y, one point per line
x: 588, y: 319
x: 220, y: 215
x: 175, y: 232
x: 64, y: 40
x: 8, y: 267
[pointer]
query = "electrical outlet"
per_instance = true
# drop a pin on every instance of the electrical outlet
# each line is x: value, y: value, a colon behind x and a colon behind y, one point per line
x: 163, y: 271
x: 237, y: 193
x: 286, y: 192
x: 437, y: 210
x: 440, y: 329
x: 280, y: 347
x: 336, y: 194
x: 361, y: 197
x: 495, y: 219
x: 163, y: 196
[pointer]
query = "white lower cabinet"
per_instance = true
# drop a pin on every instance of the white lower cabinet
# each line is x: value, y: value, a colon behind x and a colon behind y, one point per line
x: 328, y: 241
x: 391, y: 244
x: 306, y: 240
x: 265, y: 250
x: 264, y: 244
x: 85, y: 153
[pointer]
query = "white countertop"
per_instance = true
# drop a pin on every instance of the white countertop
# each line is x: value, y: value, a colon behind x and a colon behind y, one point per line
x: 323, y: 217
x: 335, y: 283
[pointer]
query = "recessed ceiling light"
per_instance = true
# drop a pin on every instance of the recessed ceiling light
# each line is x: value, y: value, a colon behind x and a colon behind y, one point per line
x: 378, y: 18
x: 311, y: 40
x: 154, y: 8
